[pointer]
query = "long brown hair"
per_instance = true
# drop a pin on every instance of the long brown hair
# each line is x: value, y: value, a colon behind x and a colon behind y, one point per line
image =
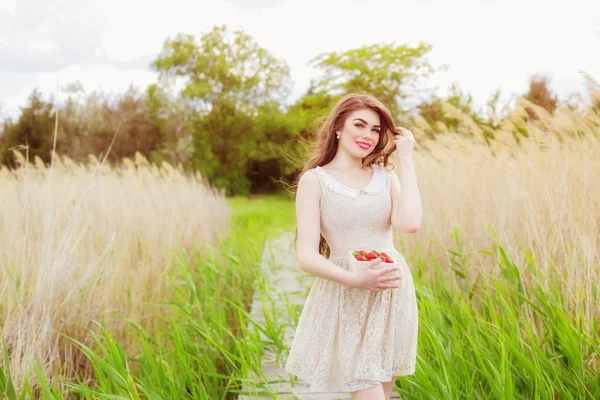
x: 325, y: 144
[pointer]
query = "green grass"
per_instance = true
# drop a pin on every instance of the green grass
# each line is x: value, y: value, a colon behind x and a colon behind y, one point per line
x: 500, y: 338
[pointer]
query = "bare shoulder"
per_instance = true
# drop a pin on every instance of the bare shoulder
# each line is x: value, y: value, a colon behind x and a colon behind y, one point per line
x: 391, y: 175
x: 387, y: 170
x: 308, y: 186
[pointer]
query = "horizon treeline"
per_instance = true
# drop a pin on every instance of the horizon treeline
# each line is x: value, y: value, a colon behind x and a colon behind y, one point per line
x: 219, y: 107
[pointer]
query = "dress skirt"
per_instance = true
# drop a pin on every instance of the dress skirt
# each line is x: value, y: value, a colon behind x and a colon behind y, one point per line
x: 348, y: 339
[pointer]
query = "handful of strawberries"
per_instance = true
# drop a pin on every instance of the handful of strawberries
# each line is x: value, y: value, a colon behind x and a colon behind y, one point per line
x: 363, y: 255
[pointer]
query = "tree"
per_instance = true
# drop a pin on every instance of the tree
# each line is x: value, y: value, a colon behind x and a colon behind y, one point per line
x: 88, y: 122
x: 35, y: 128
x: 224, y: 66
x: 386, y: 71
x: 228, y: 79
x: 433, y: 111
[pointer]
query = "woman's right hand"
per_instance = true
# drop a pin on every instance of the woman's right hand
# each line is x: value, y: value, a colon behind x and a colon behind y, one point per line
x: 365, y: 277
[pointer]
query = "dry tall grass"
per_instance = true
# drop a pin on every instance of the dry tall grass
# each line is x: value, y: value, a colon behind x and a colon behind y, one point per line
x: 79, y: 246
x: 541, y: 195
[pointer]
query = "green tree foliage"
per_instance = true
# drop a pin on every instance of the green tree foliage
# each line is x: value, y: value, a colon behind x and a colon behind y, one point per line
x: 310, y: 109
x: 224, y: 67
x: 231, y: 82
x: 387, y: 71
x: 432, y: 111
x: 172, y: 117
x: 35, y: 128
x: 304, y: 117
x: 147, y: 122
x: 219, y: 107
x: 229, y: 120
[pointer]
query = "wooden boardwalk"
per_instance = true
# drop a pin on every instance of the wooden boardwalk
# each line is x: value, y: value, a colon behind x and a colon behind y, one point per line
x: 287, y: 288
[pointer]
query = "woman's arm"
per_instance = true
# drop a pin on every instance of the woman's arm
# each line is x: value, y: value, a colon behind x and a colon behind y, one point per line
x: 407, y: 210
x: 308, y: 198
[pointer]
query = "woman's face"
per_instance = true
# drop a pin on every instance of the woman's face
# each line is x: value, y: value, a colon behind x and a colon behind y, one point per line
x: 360, y: 133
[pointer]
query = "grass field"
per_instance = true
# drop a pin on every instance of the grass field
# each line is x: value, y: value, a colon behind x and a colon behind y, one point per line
x: 136, y: 283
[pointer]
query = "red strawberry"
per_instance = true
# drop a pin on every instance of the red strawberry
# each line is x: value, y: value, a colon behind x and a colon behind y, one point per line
x: 361, y: 258
x: 383, y: 253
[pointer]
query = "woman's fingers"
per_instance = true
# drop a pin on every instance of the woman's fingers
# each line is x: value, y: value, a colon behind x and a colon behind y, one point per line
x: 405, y: 132
x: 388, y: 269
x: 388, y: 285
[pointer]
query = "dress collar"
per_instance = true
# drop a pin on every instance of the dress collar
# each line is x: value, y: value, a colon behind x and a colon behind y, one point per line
x: 376, y: 185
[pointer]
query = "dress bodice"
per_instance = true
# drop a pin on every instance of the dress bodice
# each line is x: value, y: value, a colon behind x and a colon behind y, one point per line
x: 356, y: 218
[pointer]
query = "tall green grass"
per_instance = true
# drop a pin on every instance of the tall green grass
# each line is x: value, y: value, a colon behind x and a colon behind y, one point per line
x: 500, y: 338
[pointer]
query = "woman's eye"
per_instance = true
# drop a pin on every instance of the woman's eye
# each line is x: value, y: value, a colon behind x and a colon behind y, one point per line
x: 362, y: 126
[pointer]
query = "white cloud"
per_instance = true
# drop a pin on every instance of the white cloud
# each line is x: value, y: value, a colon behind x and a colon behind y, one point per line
x: 487, y: 44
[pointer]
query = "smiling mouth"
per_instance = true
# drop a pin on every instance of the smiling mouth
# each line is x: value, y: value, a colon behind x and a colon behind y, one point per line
x: 363, y: 145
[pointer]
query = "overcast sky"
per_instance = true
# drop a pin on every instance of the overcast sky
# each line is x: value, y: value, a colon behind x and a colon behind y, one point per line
x: 487, y: 44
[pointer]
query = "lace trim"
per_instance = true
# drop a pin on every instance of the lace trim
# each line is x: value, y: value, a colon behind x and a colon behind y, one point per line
x: 378, y: 183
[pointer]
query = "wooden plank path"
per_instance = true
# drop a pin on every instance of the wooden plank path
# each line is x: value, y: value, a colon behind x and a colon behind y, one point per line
x: 286, y: 288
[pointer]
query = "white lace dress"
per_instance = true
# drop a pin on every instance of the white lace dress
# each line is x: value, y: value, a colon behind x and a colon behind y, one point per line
x: 349, y: 339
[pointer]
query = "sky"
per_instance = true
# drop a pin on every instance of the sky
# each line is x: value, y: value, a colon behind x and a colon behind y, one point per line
x: 487, y: 45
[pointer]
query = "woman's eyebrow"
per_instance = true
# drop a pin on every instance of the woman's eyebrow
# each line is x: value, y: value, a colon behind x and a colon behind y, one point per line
x: 365, y: 122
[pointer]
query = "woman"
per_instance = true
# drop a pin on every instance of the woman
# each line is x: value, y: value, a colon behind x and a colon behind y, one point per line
x: 358, y: 328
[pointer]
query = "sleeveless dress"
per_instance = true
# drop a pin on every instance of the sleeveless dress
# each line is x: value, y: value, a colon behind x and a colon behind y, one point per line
x: 348, y: 339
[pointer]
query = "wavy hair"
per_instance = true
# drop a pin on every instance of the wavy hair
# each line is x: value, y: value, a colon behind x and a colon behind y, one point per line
x: 325, y: 144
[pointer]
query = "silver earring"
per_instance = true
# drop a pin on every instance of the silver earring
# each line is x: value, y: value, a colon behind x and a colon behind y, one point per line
x: 338, y: 134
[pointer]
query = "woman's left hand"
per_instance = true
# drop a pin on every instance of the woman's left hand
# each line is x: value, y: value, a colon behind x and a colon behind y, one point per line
x: 404, y: 143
